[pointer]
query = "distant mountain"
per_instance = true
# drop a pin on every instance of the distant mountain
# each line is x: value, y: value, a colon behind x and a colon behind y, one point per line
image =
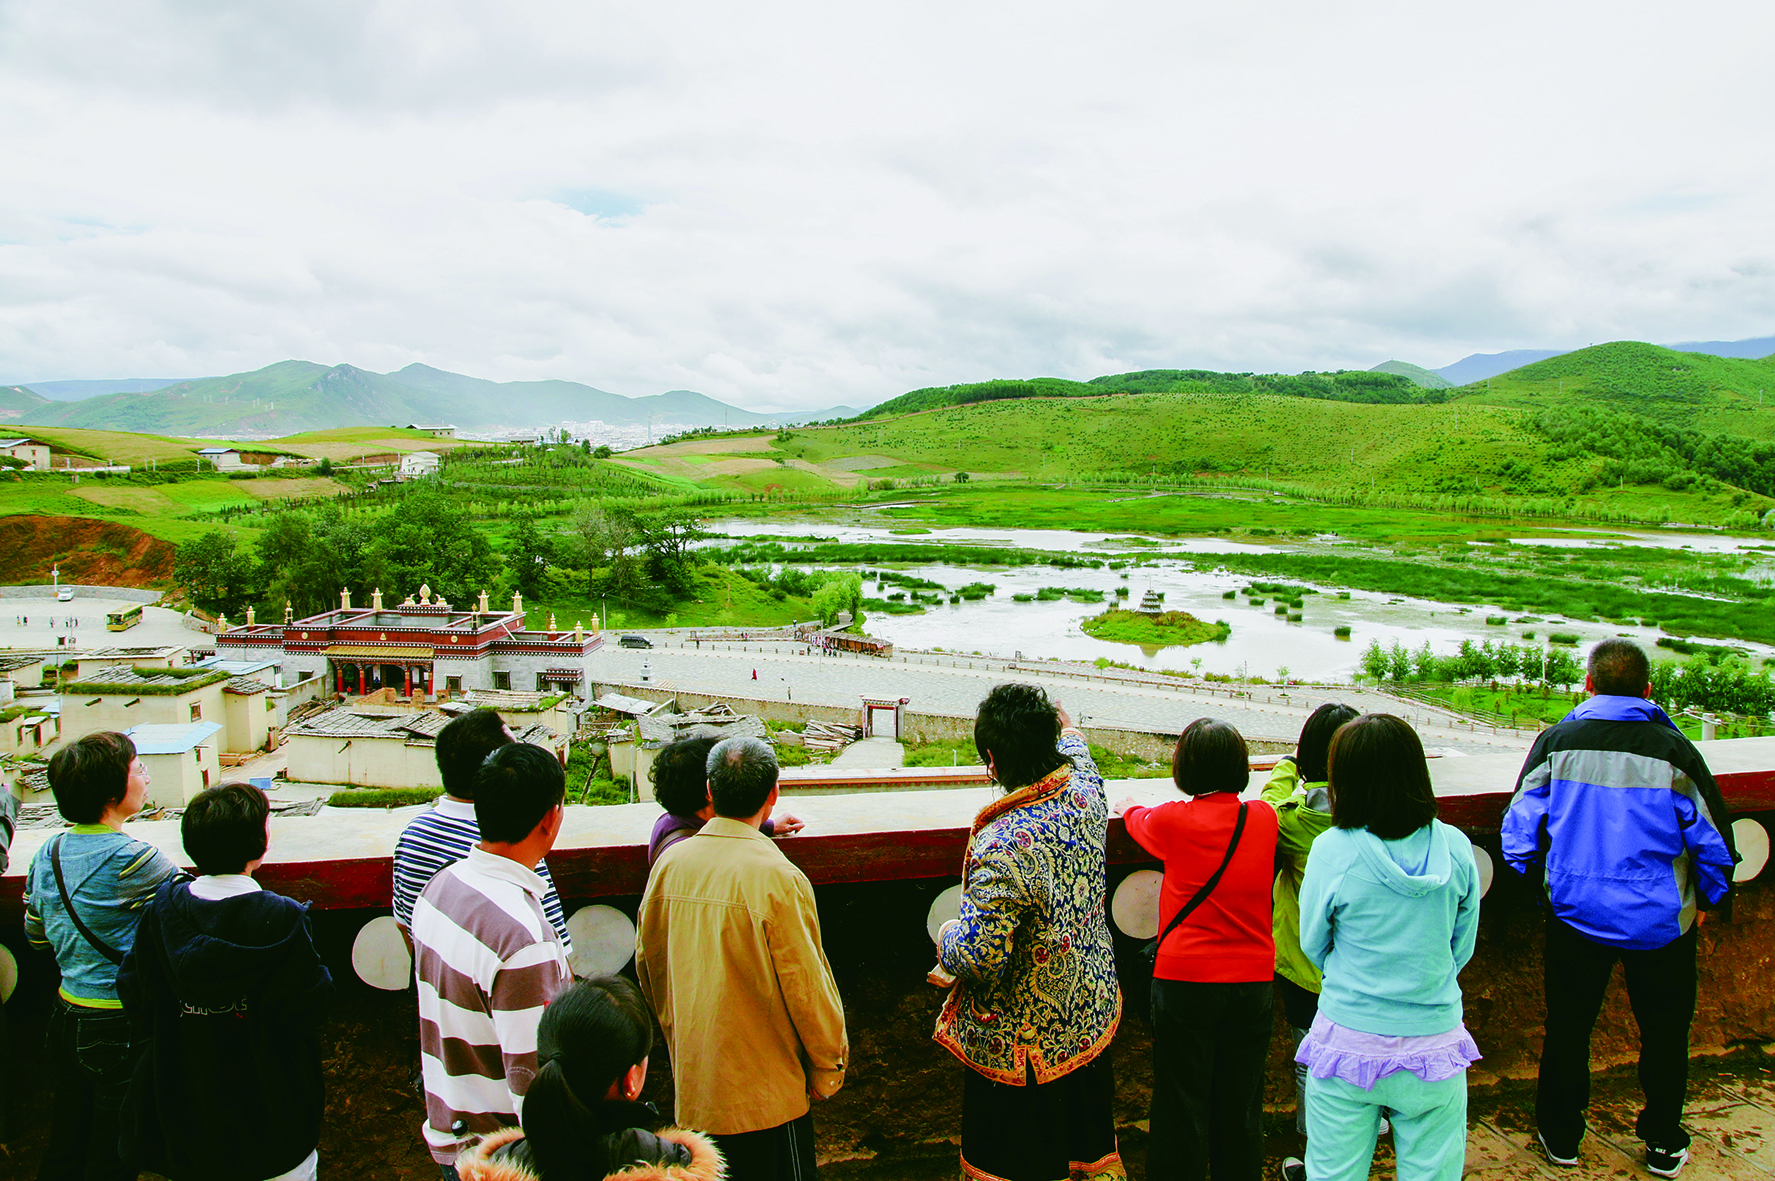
x: 18, y: 403
x: 1480, y: 366
x: 1756, y: 348
x: 279, y: 399
x: 1414, y: 373
x: 293, y: 396
x: 73, y: 391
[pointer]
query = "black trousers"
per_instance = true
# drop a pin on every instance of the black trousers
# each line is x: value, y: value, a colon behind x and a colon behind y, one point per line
x: 1042, y: 1132
x: 782, y: 1153
x: 1211, y: 1043
x: 90, y: 1063
x: 1661, y: 988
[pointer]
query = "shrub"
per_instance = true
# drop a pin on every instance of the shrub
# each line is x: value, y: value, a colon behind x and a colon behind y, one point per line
x: 1561, y: 638
x: 1342, y: 633
x: 1295, y: 617
x: 1281, y: 609
x: 1496, y: 620
x: 1229, y: 594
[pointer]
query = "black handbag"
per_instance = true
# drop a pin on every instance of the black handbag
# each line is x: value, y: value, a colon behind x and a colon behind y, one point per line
x: 1149, y: 954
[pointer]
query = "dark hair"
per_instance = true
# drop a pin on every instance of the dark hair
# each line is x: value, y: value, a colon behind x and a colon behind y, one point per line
x: 1619, y: 668
x: 90, y: 774
x: 1315, y: 740
x: 515, y: 788
x: 680, y: 775
x: 1210, y: 757
x: 741, y: 773
x: 589, y: 1037
x: 464, y: 744
x: 1379, y: 779
x: 224, y: 827
x: 1018, y: 729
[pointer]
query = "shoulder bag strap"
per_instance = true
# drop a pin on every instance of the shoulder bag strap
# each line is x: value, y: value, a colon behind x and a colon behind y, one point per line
x: 1201, y: 895
x: 99, y: 945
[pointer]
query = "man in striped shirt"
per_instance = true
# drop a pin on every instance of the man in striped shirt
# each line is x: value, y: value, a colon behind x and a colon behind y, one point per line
x: 488, y: 960
x: 444, y: 834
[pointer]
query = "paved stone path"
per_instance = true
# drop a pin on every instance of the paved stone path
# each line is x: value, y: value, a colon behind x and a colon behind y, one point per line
x: 871, y: 754
x: 955, y: 685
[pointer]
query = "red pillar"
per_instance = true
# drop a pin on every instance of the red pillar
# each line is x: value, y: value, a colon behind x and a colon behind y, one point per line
x: 407, y: 675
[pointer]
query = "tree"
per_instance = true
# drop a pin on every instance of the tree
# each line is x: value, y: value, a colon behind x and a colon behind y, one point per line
x: 210, y: 570
x: 424, y: 539
x: 842, y: 592
x: 961, y: 477
x: 608, y: 534
x: 1374, y: 660
x: 324, y: 467
x: 1563, y: 668
x: 603, y: 451
x: 530, y: 555
x: 1398, y: 662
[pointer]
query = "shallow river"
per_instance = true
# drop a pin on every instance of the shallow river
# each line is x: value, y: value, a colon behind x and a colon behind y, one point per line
x: 1261, y: 643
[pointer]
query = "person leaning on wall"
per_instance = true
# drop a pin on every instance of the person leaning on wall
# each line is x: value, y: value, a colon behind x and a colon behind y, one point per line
x: 84, y: 894
x: 1618, y: 817
x: 1212, y: 1001
x: 1389, y: 914
x: 1034, y: 1003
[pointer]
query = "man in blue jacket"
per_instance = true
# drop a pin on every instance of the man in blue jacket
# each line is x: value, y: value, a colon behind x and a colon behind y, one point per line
x: 1619, y: 815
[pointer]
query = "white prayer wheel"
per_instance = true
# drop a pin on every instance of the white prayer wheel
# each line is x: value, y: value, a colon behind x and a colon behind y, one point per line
x: 946, y: 906
x: 1487, y: 868
x: 603, y: 940
x: 8, y: 974
x: 1135, y: 907
x: 379, y: 955
x: 1752, y: 840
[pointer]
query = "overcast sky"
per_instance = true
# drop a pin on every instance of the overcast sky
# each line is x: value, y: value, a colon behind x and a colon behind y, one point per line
x: 800, y: 205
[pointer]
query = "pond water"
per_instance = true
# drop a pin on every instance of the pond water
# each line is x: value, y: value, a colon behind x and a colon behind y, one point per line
x: 1261, y: 643
x: 1042, y: 539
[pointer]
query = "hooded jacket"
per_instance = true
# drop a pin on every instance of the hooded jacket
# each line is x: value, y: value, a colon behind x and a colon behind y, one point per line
x: 1618, y: 814
x: 229, y: 994
x: 1303, y: 811
x: 671, y: 1154
x: 1391, y: 924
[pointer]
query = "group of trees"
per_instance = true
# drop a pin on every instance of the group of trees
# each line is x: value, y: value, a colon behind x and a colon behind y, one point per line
x: 1485, y: 661
x: 305, y: 558
x: 1715, y: 679
x: 1642, y: 450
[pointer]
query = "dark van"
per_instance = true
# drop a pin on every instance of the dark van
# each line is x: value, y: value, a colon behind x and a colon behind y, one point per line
x: 634, y: 642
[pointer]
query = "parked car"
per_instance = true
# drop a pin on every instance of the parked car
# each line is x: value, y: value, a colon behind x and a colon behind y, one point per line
x: 65, y: 595
x: 634, y: 642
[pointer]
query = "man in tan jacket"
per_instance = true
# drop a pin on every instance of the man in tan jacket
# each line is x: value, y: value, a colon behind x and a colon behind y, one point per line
x: 729, y: 957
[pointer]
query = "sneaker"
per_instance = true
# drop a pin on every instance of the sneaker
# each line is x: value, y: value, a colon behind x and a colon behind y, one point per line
x: 1385, y: 1127
x: 1294, y: 1169
x: 1666, y: 1163
x: 1563, y: 1159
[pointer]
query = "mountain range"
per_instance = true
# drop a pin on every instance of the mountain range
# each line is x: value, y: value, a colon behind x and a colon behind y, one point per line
x: 293, y: 396
x: 1479, y: 366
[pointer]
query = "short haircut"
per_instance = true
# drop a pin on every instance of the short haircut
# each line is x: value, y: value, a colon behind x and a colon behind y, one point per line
x: 464, y: 744
x: 1619, y: 668
x: 680, y: 775
x: 517, y: 785
x: 1379, y: 779
x: 742, y: 772
x: 1210, y: 757
x: 224, y: 827
x: 1314, y: 746
x: 1018, y: 728
x: 90, y: 774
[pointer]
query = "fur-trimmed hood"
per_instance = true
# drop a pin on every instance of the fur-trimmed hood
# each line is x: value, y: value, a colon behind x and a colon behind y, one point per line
x: 479, y: 1163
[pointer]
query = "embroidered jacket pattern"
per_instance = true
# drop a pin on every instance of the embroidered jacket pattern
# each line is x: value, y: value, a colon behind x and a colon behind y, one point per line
x: 1034, y: 966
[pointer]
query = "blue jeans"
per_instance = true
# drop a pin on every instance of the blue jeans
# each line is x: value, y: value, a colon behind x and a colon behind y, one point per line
x: 90, y: 1063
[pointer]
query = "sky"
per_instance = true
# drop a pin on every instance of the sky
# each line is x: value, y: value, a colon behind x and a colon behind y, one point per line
x: 792, y: 206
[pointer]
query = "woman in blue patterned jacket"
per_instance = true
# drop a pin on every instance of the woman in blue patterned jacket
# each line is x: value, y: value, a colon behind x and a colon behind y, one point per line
x: 1035, y: 1003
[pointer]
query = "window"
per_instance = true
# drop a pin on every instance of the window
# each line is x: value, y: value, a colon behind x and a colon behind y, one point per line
x: 502, y: 680
x: 206, y: 778
x: 542, y: 683
x: 453, y: 686
x: 196, y: 712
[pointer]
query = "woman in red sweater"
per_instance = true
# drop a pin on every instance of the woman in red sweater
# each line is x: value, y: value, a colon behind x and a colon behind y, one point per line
x: 1211, y: 998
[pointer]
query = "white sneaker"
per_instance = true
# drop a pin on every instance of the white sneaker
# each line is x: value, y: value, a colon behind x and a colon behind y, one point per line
x: 1294, y: 1169
x: 1666, y: 1164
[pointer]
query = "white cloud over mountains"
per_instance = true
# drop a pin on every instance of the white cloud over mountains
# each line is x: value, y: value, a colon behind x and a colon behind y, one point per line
x: 796, y: 205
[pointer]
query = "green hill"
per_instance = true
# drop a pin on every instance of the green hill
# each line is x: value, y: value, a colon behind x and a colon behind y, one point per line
x: 18, y: 403
x: 1416, y: 374
x: 1342, y: 386
x: 1695, y: 390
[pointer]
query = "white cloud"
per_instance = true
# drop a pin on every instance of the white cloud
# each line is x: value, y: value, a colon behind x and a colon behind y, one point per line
x: 799, y: 205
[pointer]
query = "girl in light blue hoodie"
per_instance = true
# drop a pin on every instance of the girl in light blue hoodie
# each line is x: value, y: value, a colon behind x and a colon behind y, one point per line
x: 1389, y: 911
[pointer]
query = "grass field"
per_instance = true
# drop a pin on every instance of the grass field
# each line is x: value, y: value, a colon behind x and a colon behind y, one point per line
x: 116, y: 446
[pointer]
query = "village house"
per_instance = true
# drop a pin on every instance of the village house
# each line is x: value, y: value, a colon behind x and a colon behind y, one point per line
x: 367, y: 749
x: 420, y: 463
x: 23, y: 670
x: 181, y: 759
x: 437, y: 430
x: 34, y: 452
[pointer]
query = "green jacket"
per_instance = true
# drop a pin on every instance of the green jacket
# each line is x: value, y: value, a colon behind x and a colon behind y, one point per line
x: 1303, y: 811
